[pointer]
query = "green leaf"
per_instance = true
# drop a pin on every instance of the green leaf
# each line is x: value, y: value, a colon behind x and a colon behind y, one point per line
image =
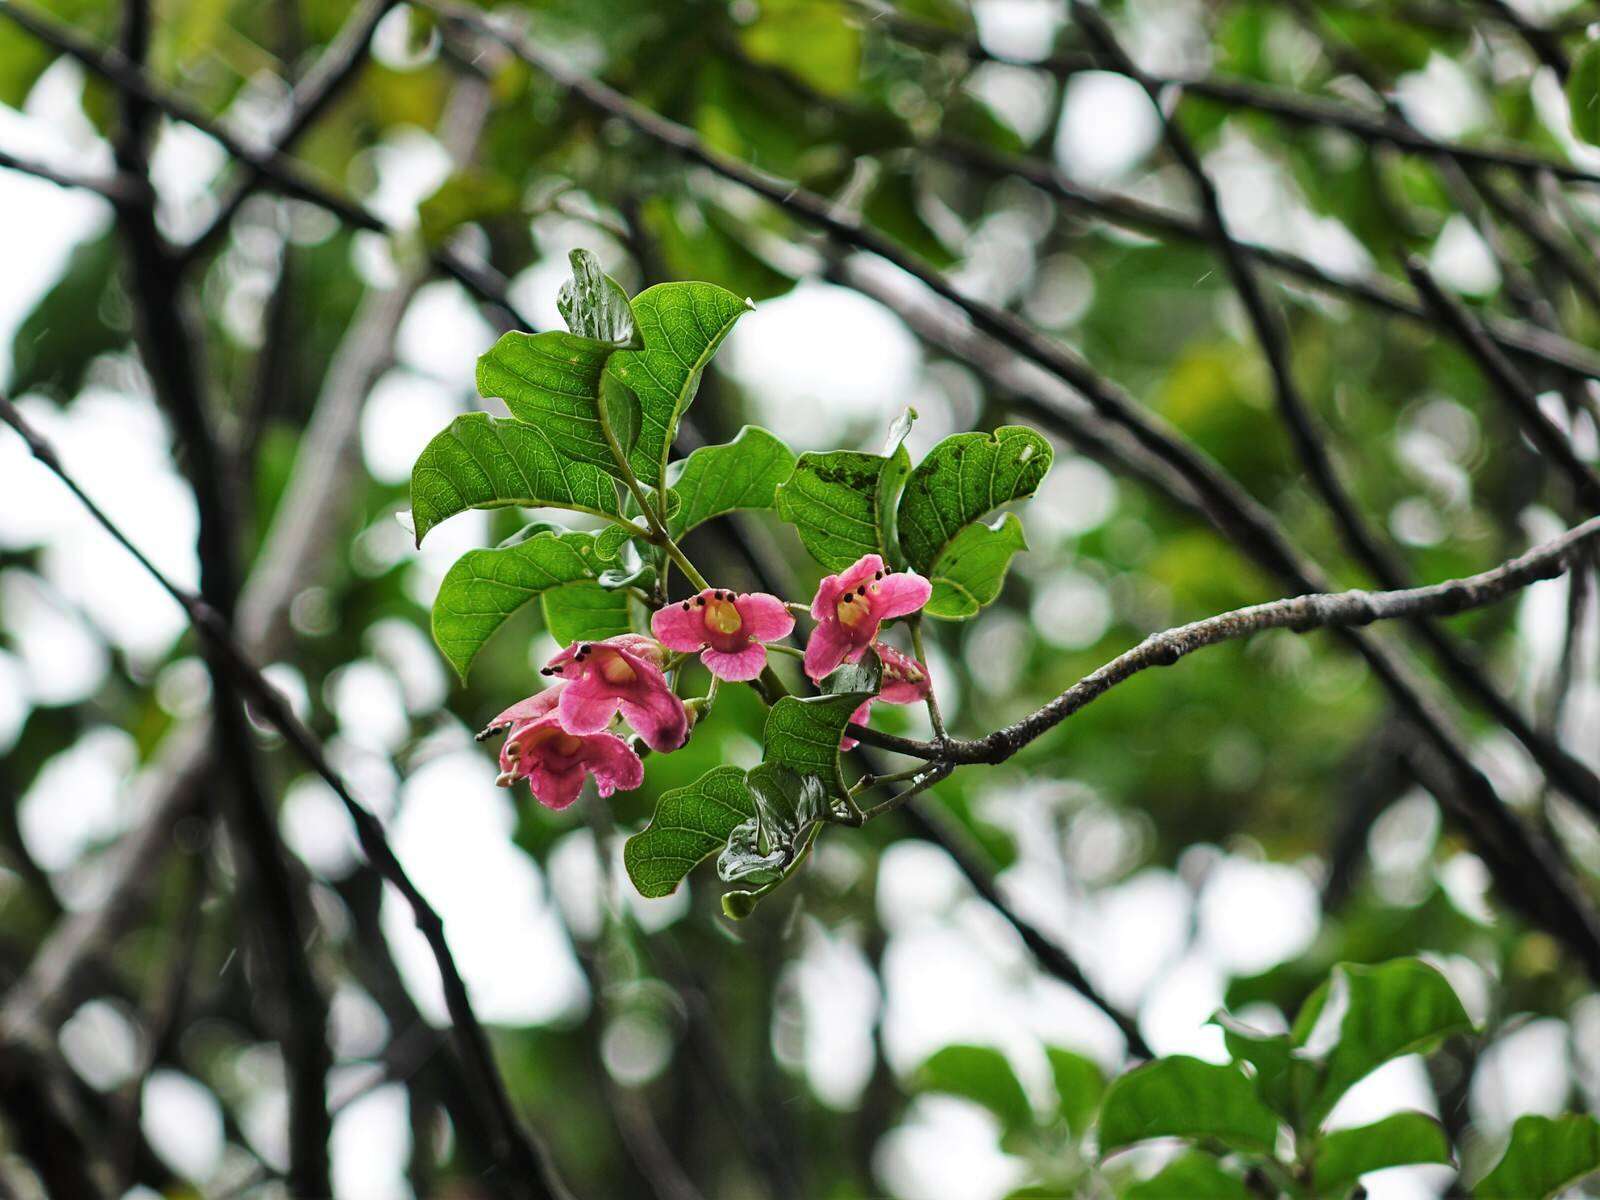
x: 892, y: 208
x: 1193, y: 1177
x: 70, y: 326
x: 765, y: 848
x: 1398, y: 1140
x: 1185, y: 1097
x: 1546, y: 1156
x: 699, y: 240
x: 803, y: 735
x: 814, y: 40
x: 480, y: 461
x: 1079, y: 1086
x: 585, y: 612
x: 484, y: 587
x: 552, y: 381
x: 841, y: 503
x: 963, y: 478
x: 1583, y: 93
x: 471, y: 195
x: 980, y: 1074
x: 970, y: 570
x: 1282, y: 1080
x: 743, y: 473
x: 690, y: 824
x: 682, y: 325
x: 594, y: 305
x: 620, y: 409
x: 1395, y: 1008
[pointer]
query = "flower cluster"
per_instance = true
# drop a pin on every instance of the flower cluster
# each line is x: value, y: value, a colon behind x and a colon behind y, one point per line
x: 557, y: 737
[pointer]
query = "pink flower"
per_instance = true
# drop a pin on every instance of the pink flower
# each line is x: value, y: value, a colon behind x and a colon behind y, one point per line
x: 851, y: 605
x: 554, y: 760
x: 621, y: 672
x: 728, y: 628
x: 905, y: 681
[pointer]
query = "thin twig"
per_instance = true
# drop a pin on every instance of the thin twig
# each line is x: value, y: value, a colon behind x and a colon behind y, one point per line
x: 332, y: 72
x: 1297, y: 613
x: 1292, y: 107
x: 1509, y: 384
x: 115, y: 188
x: 285, y: 174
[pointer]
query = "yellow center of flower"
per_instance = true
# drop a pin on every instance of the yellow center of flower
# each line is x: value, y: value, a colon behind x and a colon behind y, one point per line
x: 616, y: 670
x: 723, y: 617
x: 853, y: 608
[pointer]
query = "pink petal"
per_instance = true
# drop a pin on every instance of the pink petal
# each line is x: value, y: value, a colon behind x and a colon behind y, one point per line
x: 898, y: 594
x: 863, y: 569
x: 827, y: 648
x: 636, y: 644
x: 765, y: 617
x: 531, y: 709
x: 859, y: 717
x: 905, y: 680
x: 555, y: 789
x: 615, y: 767
x: 658, y: 717
x: 680, y: 626
x: 737, y: 666
x: 827, y: 592
x: 587, y: 705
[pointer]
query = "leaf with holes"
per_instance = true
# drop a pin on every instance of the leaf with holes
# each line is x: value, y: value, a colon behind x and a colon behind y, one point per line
x: 481, y: 461
x: 742, y: 474
x: 594, y: 305
x: 690, y: 825
x: 1399, y: 1140
x: 1546, y: 1156
x: 965, y: 477
x: 586, y: 612
x: 836, y: 502
x: 682, y: 325
x: 1383, y: 1011
x: 485, y: 587
x: 1185, y: 1097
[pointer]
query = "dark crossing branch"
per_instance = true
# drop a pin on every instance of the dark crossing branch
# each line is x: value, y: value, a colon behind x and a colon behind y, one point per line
x: 528, y: 1170
x: 1509, y: 384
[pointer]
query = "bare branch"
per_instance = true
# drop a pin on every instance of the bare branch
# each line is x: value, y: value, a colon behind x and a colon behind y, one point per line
x: 1297, y: 613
